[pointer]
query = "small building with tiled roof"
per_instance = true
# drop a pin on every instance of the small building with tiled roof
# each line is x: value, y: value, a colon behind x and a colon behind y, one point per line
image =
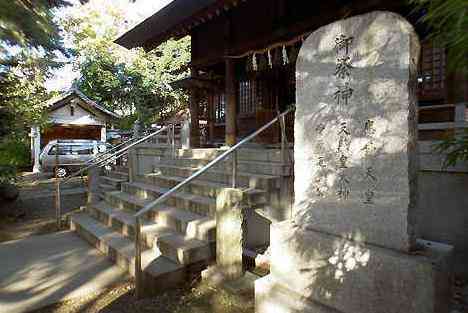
x: 72, y: 115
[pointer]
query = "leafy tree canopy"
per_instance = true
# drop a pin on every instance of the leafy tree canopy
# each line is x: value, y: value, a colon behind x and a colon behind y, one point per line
x: 130, y: 82
x: 29, y: 39
x: 448, y: 23
x: 27, y: 24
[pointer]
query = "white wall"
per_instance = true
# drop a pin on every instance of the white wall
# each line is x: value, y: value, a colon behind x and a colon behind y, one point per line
x: 80, y: 117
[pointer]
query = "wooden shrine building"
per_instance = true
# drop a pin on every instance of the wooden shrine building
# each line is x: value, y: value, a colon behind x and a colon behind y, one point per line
x: 244, y: 53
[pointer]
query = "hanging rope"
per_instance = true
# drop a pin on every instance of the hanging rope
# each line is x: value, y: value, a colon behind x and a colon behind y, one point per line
x: 270, y: 62
x: 285, y: 56
x: 281, y: 44
x: 254, y: 62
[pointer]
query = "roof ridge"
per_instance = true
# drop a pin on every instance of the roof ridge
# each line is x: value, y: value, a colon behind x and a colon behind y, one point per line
x: 73, y: 90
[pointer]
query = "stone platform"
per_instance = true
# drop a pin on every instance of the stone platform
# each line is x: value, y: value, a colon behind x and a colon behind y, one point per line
x: 318, y: 272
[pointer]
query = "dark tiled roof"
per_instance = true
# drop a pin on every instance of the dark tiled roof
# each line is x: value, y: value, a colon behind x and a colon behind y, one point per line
x: 175, y: 18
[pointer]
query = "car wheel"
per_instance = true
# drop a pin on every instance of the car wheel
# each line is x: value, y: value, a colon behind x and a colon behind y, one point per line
x: 61, y: 172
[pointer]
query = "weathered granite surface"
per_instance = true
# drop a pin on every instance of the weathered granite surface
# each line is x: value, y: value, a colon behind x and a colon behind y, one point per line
x: 356, y: 158
x: 318, y: 272
x: 231, y: 207
x: 351, y: 246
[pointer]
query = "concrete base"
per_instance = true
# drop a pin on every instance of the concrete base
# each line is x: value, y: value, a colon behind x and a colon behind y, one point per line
x: 317, y: 272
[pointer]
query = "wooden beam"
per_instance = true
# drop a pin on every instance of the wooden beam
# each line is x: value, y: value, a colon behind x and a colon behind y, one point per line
x: 230, y: 86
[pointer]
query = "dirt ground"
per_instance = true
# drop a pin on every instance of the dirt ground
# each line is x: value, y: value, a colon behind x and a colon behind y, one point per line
x: 199, y: 298
x: 39, y: 218
x: 34, y: 212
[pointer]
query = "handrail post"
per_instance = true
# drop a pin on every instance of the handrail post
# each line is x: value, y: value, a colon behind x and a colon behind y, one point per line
x: 173, y: 140
x: 234, y: 169
x: 232, y: 150
x: 58, y: 209
x: 282, y: 122
x: 138, y: 270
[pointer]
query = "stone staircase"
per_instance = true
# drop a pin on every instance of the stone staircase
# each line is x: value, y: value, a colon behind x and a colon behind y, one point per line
x: 112, y: 180
x: 179, y: 236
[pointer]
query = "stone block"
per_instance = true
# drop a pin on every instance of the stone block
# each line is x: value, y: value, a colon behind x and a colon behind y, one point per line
x: 231, y: 207
x: 356, y: 130
x: 94, y: 174
x: 272, y: 297
x: 352, y: 277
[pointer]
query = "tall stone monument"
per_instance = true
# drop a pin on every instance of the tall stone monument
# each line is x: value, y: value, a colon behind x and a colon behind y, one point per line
x: 352, y: 244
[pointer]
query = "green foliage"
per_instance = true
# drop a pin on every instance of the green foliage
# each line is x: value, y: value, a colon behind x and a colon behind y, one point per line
x: 14, y: 152
x: 29, y: 24
x: 456, y: 150
x: 448, y: 21
x: 29, y: 39
x: 134, y: 83
x: 23, y: 92
x: 22, y: 98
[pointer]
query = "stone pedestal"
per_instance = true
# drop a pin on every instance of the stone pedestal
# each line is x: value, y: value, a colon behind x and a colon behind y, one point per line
x: 352, y: 245
x: 232, y: 206
x: 93, y: 184
x: 317, y: 272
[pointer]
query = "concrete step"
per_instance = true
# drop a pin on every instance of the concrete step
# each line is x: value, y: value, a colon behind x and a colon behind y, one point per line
x: 251, y: 180
x: 183, y: 200
x: 115, y: 182
x: 173, y: 245
x: 125, y: 201
x: 121, y: 169
x: 247, y: 154
x: 192, y: 225
x: 247, y: 166
x: 106, y: 188
x: 198, y: 187
x: 118, y: 175
x: 159, y: 272
x: 124, y: 223
x: 184, y: 251
x: 185, y: 222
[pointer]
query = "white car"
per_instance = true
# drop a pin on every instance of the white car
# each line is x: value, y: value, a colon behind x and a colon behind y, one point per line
x: 72, y: 154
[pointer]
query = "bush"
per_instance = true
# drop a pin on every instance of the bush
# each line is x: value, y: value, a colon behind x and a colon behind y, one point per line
x: 14, y: 153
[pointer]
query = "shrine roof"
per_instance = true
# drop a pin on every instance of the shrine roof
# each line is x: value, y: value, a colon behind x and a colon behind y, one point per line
x: 173, y: 21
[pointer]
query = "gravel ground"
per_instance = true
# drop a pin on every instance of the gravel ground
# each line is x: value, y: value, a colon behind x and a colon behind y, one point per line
x: 200, y: 298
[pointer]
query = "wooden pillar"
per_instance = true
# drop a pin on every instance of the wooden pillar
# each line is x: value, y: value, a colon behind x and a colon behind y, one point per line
x: 194, y: 116
x: 230, y: 86
x: 231, y: 103
x: 194, y: 122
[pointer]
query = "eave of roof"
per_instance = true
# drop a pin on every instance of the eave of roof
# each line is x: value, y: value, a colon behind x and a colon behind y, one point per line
x: 56, y: 103
x: 174, y: 20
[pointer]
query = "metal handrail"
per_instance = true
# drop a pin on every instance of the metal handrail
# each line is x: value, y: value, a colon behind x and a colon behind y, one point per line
x: 233, y: 150
x: 116, y: 154
x: 100, y: 163
x: 218, y: 159
x: 100, y: 155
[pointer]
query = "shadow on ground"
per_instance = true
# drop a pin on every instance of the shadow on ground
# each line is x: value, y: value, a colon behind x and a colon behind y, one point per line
x: 199, y: 298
